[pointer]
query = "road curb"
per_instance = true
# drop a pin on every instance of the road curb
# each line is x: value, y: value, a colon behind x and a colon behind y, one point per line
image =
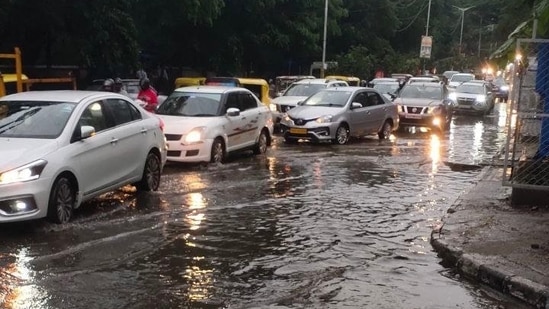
x: 503, y: 281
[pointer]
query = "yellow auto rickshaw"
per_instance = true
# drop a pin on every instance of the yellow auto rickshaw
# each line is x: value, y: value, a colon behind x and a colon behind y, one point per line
x: 189, y: 81
x: 258, y: 86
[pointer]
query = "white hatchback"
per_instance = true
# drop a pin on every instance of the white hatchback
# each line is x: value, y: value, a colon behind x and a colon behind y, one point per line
x: 60, y: 148
x: 205, y: 123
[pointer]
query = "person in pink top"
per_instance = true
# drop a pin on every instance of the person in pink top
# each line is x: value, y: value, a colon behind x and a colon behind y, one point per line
x: 148, y: 95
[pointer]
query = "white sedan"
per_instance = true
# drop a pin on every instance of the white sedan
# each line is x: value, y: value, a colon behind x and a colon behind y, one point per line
x: 60, y: 148
x: 205, y: 123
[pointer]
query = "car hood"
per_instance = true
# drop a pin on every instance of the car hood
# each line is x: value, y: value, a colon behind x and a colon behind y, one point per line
x: 312, y: 112
x: 182, y: 124
x: 467, y: 95
x: 17, y: 152
x: 288, y: 100
x: 416, y: 102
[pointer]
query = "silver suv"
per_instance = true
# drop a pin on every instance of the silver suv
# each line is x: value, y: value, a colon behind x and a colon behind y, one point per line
x: 298, y: 92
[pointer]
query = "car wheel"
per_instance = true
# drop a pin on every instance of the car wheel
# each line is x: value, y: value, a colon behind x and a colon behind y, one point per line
x: 261, y: 146
x: 150, y: 181
x: 218, y: 151
x: 385, y: 130
x: 62, y: 201
x: 342, y: 135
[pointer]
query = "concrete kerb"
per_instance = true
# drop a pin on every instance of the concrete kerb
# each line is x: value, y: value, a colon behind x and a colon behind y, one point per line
x: 487, y: 271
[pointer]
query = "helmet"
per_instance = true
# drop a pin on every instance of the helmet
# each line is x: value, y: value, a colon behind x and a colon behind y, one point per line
x: 108, y: 84
x: 144, y: 83
x: 118, y: 81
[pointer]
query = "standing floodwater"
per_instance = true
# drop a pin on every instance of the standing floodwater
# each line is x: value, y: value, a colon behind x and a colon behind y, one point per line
x: 306, y: 226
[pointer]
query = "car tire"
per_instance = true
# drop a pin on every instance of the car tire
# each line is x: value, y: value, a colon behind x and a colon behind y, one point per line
x: 341, y: 135
x: 262, y: 143
x: 386, y: 130
x: 217, y: 154
x: 62, y: 201
x: 150, y: 181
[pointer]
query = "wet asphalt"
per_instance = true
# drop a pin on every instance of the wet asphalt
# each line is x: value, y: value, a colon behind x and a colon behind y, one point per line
x: 304, y: 226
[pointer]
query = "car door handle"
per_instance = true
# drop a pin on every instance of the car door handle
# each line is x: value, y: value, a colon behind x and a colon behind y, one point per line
x: 114, y: 141
x: 143, y: 130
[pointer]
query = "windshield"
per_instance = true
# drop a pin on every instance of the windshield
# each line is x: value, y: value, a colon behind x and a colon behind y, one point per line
x: 386, y: 88
x: 191, y: 104
x: 303, y: 90
x: 461, y: 78
x: 328, y: 98
x: 475, y: 89
x: 499, y: 82
x: 422, y: 92
x: 34, y: 119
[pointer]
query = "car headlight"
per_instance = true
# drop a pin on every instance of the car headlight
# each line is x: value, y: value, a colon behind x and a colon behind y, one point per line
x: 195, y: 136
x: 286, y: 118
x: 324, y: 119
x: 272, y: 107
x: 435, y: 110
x: 452, y: 96
x: 481, y: 98
x: 27, y: 172
x: 504, y: 88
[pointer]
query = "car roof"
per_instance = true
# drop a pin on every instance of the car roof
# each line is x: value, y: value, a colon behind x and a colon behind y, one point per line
x: 347, y: 88
x: 209, y: 89
x: 316, y: 81
x: 57, y: 95
x: 475, y: 83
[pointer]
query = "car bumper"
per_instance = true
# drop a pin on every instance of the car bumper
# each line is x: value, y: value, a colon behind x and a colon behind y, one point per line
x: 200, y: 152
x: 314, y: 132
x: 426, y: 120
x: 24, y: 201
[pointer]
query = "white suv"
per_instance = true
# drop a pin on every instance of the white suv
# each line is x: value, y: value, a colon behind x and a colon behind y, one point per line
x: 297, y: 92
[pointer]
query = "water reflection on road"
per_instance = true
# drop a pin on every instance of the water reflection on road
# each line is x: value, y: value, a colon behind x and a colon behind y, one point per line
x: 306, y: 226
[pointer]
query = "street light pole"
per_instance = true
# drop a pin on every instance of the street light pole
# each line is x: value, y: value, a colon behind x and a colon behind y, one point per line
x: 462, y: 18
x: 427, y: 29
x: 322, y: 69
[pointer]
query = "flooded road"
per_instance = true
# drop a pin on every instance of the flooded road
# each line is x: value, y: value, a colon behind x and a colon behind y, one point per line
x: 305, y: 226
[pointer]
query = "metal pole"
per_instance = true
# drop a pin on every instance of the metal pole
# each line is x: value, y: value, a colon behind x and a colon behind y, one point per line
x: 427, y: 30
x: 461, y: 32
x: 479, y: 36
x: 324, y: 40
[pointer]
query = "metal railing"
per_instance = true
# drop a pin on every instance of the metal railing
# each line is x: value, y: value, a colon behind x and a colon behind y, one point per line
x: 526, y: 162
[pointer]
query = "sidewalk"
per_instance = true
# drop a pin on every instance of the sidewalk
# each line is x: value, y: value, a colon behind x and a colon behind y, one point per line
x: 487, y: 240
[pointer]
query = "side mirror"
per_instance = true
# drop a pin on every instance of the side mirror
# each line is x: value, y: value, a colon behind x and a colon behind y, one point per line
x: 233, y: 111
x: 355, y: 105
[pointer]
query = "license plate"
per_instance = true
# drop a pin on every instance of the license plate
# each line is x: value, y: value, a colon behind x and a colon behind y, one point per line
x: 412, y: 116
x: 298, y: 131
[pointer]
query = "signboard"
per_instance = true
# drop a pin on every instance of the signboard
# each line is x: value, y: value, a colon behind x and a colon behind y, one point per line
x: 426, y: 45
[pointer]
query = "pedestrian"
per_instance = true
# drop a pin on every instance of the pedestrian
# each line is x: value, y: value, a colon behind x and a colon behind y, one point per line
x: 147, y: 95
x: 108, y: 85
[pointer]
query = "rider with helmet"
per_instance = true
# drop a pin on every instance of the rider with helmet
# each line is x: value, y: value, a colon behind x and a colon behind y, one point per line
x: 108, y: 85
x: 118, y: 87
x: 148, y: 95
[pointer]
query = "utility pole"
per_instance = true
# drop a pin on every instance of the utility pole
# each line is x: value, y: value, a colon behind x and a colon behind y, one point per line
x: 462, y: 18
x: 427, y: 30
x: 323, y: 68
x: 479, y: 36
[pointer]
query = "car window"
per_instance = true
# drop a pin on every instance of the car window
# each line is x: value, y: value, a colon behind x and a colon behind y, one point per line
x: 461, y: 78
x: 122, y: 111
x: 34, y: 119
x: 246, y: 101
x: 232, y: 101
x: 374, y: 99
x: 94, y: 116
x: 475, y: 89
x: 362, y: 98
x: 191, y: 104
x: 328, y: 98
x: 303, y: 90
x: 414, y: 91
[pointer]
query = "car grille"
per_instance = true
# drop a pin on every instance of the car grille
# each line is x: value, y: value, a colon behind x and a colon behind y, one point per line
x: 173, y: 137
x: 465, y: 101
x: 283, y: 108
x: 299, y: 121
x: 416, y: 110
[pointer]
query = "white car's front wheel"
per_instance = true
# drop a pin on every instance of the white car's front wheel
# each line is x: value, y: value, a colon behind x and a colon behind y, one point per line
x: 218, y: 151
x: 62, y: 201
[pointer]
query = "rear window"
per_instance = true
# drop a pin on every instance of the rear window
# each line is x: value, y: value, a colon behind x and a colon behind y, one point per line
x: 303, y: 90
